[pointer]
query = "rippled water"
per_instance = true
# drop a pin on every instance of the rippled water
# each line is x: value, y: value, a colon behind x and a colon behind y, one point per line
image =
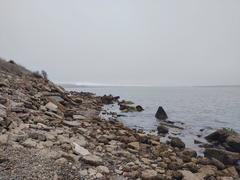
x: 198, y: 108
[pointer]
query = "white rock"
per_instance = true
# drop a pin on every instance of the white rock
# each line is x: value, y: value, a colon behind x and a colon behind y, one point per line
x: 80, y: 150
x: 51, y: 107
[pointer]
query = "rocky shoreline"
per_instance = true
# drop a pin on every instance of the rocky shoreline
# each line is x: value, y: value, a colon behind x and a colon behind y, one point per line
x: 47, y: 132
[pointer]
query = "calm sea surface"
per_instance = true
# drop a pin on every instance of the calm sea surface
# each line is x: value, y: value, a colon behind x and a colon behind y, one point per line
x: 198, y: 108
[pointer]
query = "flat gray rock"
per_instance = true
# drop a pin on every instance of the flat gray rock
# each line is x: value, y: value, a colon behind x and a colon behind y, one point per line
x: 79, y: 150
x: 78, y: 117
x: 92, y: 160
x: 72, y: 123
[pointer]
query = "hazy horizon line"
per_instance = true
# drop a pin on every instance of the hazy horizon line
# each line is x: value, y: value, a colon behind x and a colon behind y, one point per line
x: 89, y: 84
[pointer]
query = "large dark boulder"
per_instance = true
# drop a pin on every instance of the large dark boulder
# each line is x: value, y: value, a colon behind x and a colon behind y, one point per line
x: 161, y: 114
x: 234, y: 142
x: 218, y: 136
x: 226, y: 157
x: 226, y: 138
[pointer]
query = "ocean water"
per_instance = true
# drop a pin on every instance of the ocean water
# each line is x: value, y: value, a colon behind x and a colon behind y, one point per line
x: 207, y: 108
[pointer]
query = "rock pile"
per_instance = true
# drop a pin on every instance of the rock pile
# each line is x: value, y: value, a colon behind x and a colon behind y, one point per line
x: 225, y: 147
x: 49, y: 133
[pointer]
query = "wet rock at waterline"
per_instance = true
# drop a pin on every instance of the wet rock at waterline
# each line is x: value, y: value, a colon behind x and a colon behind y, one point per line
x: 226, y: 157
x: 139, y: 108
x: 161, y: 114
x: 130, y: 108
x: 162, y: 129
x: 177, y: 142
x: 227, y: 138
x: 109, y: 99
x: 219, y: 135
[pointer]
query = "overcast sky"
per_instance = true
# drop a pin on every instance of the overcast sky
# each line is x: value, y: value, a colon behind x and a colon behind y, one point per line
x: 151, y: 42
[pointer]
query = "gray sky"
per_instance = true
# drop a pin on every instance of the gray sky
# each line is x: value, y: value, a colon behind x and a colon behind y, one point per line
x: 153, y: 42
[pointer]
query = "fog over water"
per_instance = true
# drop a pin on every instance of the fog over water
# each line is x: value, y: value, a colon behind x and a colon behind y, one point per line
x: 140, y: 42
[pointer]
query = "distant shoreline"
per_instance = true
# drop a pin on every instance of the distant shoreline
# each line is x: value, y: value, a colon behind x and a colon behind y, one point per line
x: 71, y: 85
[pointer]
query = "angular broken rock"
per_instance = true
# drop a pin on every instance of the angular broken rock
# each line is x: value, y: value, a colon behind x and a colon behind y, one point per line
x: 188, y: 175
x: 72, y: 123
x: 80, y: 140
x: 149, y: 174
x: 29, y: 143
x: 37, y: 136
x: 78, y: 117
x: 92, y: 160
x: 79, y: 150
x: 51, y: 107
x: 103, y: 169
x: 134, y: 145
x: 3, y: 112
x: 226, y: 157
x: 56, y: 98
